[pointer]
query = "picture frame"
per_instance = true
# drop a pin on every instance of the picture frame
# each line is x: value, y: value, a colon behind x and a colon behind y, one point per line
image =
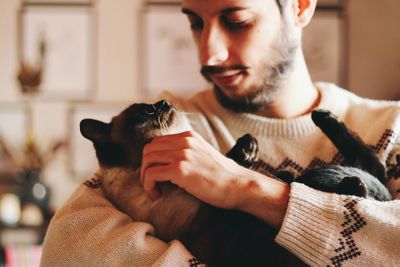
x: 82, y: 161
x: 66, y: 29
x: 168, y: 53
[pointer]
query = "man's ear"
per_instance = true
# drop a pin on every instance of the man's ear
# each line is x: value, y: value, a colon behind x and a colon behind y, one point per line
x: 96, y: 131
x: 303, y: 10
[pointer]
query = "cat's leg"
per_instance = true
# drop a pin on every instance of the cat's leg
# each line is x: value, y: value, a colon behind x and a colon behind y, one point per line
x: 245, y: 151
x: 355, y: 151
x: 352, y: 185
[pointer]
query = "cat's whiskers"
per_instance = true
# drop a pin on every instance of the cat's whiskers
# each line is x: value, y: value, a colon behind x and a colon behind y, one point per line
x: 163, y: 126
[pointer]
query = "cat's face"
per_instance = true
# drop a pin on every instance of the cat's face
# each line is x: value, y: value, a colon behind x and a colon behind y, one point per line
x: 120, y: 143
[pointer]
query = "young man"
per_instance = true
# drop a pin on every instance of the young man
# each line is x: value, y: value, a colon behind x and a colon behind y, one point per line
x: 250, y: 50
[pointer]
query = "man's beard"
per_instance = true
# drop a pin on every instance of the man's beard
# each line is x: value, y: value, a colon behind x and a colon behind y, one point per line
x: 275, y: 75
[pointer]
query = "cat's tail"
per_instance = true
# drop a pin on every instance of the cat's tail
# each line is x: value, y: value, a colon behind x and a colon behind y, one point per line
x: 354, y: 150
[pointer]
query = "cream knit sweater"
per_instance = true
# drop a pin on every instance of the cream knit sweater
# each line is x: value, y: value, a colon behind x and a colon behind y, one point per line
x: 322, y: 229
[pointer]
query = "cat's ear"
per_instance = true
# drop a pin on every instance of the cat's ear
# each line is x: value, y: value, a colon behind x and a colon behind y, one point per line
x: 96, y: 131
x: 354, y: 186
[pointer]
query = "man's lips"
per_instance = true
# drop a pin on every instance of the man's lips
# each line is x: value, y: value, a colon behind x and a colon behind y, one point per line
x: 224, y: 75
x: 227, y: 78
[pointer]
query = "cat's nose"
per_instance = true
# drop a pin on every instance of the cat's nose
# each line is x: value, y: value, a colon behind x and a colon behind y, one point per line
x: 163, y: 105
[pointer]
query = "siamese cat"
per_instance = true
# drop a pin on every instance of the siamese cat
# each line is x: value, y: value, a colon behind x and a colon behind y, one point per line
x: 215, y: 236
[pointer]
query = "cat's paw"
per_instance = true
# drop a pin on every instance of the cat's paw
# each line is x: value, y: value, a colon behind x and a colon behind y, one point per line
x: 322, y: 115
x: 245, y: 151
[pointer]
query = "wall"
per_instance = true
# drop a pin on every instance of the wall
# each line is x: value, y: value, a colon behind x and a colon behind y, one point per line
x: 374, y: 48
x: 117, y: 49
x: 8, y: 44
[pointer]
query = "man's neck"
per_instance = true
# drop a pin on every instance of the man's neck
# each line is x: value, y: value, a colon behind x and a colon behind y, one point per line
x: 297, y: 97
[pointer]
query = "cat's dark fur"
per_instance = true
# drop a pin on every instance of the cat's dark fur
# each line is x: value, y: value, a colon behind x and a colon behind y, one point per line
x: 217, y: 237
x: 362, y: 175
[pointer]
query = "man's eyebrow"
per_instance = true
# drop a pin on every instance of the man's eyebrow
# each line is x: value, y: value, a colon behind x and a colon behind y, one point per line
x: 223, y: 11
x: 187, y: 11
x: 232, y: 9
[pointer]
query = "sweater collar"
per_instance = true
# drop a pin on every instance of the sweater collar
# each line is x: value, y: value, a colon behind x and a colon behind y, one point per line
x: 332, y: 99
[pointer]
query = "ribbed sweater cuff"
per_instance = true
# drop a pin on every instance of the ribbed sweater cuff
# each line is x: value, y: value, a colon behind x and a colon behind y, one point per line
x: 311, y: 224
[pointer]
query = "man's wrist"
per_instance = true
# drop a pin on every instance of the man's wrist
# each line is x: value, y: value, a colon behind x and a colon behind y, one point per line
x: 264, y: 197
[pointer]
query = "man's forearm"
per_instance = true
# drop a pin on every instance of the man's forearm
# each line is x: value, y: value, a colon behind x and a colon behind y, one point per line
x: 264, y: 197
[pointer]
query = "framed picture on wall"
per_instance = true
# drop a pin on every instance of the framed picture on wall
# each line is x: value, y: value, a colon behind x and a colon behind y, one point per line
x: 168, y: 52
x: 58, y: 38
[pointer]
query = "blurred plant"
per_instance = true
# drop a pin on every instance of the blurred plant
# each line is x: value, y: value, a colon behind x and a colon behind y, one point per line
x: 30, y: 161
x: 30, y: 76
x: 5, y: 153
x: 26, y: 166
x: 34, y: 160
x: 31, y: 158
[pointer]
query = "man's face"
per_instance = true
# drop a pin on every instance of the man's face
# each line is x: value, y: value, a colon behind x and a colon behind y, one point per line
x: 244, y: 47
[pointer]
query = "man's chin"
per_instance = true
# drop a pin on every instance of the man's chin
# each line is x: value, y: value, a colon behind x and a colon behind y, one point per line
x: 239, y: 103
x: 233, y: 93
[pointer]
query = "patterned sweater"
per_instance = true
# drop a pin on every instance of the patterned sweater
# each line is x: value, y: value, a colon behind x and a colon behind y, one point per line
x: 322, y: 229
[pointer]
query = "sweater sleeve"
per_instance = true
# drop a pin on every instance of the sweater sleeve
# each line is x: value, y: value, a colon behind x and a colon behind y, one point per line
x: 325, y: 229
x: 89, y: 231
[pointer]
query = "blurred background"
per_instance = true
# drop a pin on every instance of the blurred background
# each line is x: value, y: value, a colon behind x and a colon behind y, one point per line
x: 65, y: 60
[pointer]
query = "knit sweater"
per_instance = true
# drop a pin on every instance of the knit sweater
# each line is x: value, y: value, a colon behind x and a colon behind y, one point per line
x: 322, y: 229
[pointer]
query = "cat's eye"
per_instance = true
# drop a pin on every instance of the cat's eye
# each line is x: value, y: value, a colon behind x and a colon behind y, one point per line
x: 150, y: 109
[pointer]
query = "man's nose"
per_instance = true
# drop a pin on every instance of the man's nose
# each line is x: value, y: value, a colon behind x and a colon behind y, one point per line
x: 213, y: 47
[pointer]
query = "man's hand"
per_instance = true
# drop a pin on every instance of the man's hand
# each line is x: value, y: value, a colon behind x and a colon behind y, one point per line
x: 187, y: 160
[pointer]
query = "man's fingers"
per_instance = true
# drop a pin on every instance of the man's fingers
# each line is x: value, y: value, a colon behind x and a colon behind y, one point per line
x: 158, y: 158
x: 170, y: 142
x: 155, y: 174
x: 177, y: 135
x: 174, y: 158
